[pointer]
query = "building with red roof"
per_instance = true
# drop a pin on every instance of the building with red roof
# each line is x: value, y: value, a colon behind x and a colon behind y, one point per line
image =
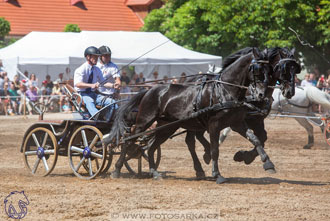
x: 93, y: 15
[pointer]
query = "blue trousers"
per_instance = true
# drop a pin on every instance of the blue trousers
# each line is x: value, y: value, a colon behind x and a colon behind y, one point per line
x: 91, y: 99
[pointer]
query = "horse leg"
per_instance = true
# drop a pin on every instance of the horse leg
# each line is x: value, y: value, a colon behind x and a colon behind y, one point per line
x: 200, y: 137
x: 120, y: 162
x: 160, y: 137
x: 310, y: 130
x: 190, y: 141
x: 214, y: 139
x: 224, y: 134
x: 258, y: 127
x: 249, y: 134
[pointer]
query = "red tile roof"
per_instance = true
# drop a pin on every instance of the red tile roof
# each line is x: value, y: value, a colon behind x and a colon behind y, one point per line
x: 53, y: 15
x: 138, y: 2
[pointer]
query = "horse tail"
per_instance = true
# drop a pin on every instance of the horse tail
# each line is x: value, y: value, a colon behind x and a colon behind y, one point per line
x: 120, y: 118
x: 319, y: 97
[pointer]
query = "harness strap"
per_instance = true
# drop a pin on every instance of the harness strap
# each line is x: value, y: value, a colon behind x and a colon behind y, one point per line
x: 215, y: 108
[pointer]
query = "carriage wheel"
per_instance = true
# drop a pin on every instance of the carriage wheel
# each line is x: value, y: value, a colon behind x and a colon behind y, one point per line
x: 83, y: 152
x: 40, y: 151
x: 142, y: 162
x: 327, y: 132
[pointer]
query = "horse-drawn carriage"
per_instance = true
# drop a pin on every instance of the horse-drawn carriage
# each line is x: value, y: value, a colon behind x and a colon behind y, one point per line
x: 209, y: 105
x: 79, y: 139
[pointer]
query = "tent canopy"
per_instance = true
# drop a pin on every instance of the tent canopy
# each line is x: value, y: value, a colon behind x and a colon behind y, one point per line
x: 45, y: 52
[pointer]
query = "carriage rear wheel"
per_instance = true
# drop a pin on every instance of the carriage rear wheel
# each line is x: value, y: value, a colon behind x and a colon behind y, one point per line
x: 327, y: 132
x: 142, y: 162
x: 40, y: 151
x: 85, y: 157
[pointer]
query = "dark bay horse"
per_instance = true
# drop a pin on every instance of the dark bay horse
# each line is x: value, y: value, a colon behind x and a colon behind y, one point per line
x: 283, y: 69
x: 217, y: 105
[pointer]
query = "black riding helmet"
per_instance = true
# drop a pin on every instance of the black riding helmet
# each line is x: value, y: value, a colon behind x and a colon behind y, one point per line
x: 105, y: 50
x: 92, y: 50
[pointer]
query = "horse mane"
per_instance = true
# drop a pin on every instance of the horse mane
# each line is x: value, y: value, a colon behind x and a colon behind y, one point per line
x: 236, y: 55
x: 317, y: 96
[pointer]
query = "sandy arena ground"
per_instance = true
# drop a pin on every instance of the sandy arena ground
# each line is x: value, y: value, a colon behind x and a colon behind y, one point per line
x: 300, y: 190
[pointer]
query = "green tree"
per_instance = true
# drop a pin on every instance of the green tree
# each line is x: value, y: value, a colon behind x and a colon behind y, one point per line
x: 72, y: 28
x: 224, y: 26
x: 4, y: 30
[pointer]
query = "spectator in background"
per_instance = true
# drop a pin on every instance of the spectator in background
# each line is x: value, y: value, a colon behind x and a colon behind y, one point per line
x: 16, y: 82
x: 134, y: 82
x: 49, y: 85
x: 13, y: 97
x: 26, y: 74
x: 67, y: 73
x: 32, y: 97
x: 141, y: 79
x: 124, y: 89
x: 182, y: 78
x: 306, y: 82
x: 57, y: 94
x: 1, y: 67
x: 165, y: 79
x: 2, y: 82
x: 33, y: 80
x: 124, y: 78
x: 60, y: 78
x: 21, y: 93
x: 6, y: 100
x: 154, y: 78
x: 312, y: 79
x: 174, y: 81
x: 321, y: 83
x: 43, y: 93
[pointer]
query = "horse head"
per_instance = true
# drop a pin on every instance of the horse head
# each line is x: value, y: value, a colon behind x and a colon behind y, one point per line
x: 259, y: 74
x: 285, y: 67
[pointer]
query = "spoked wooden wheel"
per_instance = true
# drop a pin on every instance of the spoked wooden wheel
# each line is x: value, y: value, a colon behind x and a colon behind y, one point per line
x: 142, y: 163
x: 40, y: 151
x: 327, y: 132
x: 86, y: 159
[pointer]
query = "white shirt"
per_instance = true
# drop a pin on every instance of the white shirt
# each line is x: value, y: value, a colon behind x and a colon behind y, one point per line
x: 110, y: 71
x: 83, y: 72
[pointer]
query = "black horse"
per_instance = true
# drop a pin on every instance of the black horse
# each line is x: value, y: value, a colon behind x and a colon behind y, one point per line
x: 283, y: 69
x: 219, y: 104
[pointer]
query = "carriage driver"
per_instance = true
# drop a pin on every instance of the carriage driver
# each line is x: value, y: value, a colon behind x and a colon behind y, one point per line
x: 110, y: 71
x: 87, y: 79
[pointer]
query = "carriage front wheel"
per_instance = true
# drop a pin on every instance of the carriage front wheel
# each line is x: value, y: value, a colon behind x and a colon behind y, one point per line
x: 40, y: 151
x: 86, y: 158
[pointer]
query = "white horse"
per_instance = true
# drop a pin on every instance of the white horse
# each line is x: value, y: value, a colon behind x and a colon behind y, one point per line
x: 299, y: 105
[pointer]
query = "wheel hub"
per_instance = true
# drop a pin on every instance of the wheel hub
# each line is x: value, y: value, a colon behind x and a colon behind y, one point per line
x: 40, y: 152
x: 87, y: 152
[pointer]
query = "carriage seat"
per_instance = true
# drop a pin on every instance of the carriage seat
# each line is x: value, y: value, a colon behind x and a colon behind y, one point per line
x: 75, y: 99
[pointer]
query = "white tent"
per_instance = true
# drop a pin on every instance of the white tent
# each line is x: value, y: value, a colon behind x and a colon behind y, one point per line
x: 52, y: 52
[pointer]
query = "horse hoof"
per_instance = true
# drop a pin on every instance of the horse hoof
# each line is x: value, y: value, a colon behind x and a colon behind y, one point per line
x: 157, y: 177
x: 271, y: 171
x: 200, y: 175
x: 115, y: 175
x: 221, y: 180
x: 207, y: 158
x: 269, y: 166
x: 238, y: 157
x: 307, y: 147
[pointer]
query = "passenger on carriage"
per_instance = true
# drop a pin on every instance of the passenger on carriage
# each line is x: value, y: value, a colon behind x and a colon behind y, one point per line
x: 87, y: 79
x: 110, y: 71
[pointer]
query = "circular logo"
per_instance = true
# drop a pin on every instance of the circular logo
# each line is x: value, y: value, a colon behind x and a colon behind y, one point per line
x: 16, y: 205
